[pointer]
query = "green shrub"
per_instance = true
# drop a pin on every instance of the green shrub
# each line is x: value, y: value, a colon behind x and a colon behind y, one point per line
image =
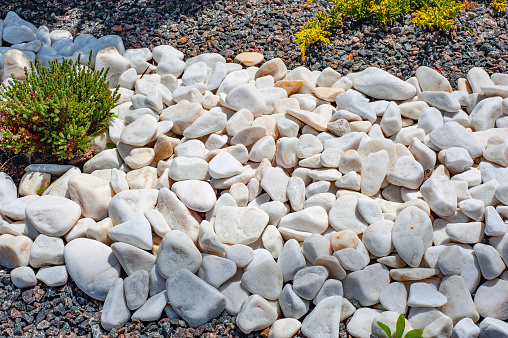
x: 499, y: 5
x: 57, y: 110
x: 386, y: 11
x: 435, y: 14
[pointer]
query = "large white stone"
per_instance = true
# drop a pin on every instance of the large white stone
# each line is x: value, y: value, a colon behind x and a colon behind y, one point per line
x: 196, y: 195
x: 93, y: 194
x: 324, y: 320
x: 240, y: 225
x: 92, y: 265
x: 177, y: 251
x: 193, y: 299
x: 379, y: 84
x: 53, y: 215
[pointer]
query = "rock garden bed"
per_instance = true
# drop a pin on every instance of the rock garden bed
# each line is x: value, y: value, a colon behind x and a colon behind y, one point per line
x: 245, y: 195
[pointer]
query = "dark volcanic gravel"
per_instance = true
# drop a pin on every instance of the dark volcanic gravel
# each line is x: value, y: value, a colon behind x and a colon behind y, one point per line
x: 268, y: 26
x: 230, y: 27
x: 67, y: 312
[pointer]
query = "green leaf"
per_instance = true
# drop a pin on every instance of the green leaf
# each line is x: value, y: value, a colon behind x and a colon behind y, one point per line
x: 110, y: 145
x: 386, y: 329
x: 401, y: 324
x: 414, y: 334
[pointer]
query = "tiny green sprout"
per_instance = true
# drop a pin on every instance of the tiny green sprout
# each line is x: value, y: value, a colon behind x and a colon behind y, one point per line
x: 399, y: 329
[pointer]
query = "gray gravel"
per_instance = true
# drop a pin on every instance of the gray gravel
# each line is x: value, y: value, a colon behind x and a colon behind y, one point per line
x: 268, y: 26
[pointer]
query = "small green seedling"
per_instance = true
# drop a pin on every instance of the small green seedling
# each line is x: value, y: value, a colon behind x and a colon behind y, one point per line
x: 399, y: 330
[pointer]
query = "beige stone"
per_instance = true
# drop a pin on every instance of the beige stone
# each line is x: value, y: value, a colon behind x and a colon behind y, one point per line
x: 143, y: 178
x: 290, y: 86
x: 275, y: 67
x: 14, y: 251
x: 327, y: 94
x: 32, y: 182
x: 344, y: 239
x: 249, y: 58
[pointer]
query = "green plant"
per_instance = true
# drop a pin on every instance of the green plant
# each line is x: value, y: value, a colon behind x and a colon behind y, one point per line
x: 438, y: 14
x: 499, y: 5
x: 472, y: 31
x: 385, y: 11
x: 57, y: 110
x: 357, y: 9
x: 315, y: 29
x: 399, y: 329
x: 435, y: 14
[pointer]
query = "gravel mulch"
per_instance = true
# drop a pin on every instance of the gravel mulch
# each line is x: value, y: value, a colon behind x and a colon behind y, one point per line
x: 268, y: 26
x: 66, y: 312
x: 230, y: 27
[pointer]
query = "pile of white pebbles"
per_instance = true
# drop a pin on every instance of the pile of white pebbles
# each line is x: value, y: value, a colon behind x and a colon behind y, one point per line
x: 293, y: 200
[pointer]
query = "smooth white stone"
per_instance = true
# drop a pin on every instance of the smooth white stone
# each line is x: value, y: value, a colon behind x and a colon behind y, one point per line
x: 308, y: 281
x: 471, y: 232
x: 216, y: 270
x: 425, y: 295
x: 92, y: 266
x: 394, y: 297
x: 452, y: 134
x: 292, y: 305
x: 360, y: 324
x: 275, y: 181
x: 355, y: 103
x: 137, y: 232
x: 291, y: 259
x: 131, y: 204
x: 312, y: 219
x: 491, y: 299
x: 235, y: 295
x: 373, y: 172
x: 255, y: 314
x: 491, y: 327
x: 450, y: 261
x: 224, y: 165
x: 377, y: 238
x: 152, y: 309
x: 344, y: 215
x: 193, y: 299
x: 460, y: 304
x: 177, y: 215
x: 490, y: 261
x: 466, y: 328
x: 366, y: 285
x: 412, y: 235
x: 240, y: 254
x: 265, y: 279
x: 110, y: 58
x: 23, y: 277
x: 177, y: 251
x: 284, y: 328
x: 196, y: 195
x: 52, y: 275
x: 136, y: 287
x: 53, y: 215
x: 240, y: 225
x: 47, y: 251
x: 381, y: 85
x: 324, y: 320
x: 494, y: 224
x: 115, y: 312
